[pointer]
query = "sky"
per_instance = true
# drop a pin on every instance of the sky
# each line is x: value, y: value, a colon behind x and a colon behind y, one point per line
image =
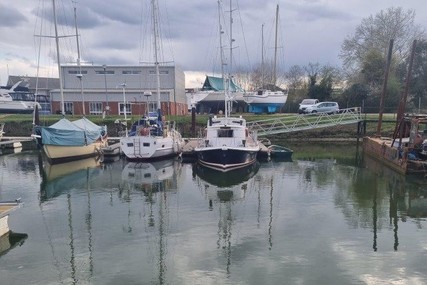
x: 117, y: 32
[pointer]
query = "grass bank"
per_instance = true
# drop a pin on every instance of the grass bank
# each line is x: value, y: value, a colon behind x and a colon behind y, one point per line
x: 22, y: 124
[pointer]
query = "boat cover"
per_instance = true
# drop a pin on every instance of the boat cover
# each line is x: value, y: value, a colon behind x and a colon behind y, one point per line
x: 76, y: 133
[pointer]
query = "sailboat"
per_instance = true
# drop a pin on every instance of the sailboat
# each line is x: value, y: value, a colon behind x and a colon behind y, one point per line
x: 270, y: 98
x: 66, y: 141
x: 227, y: 143
x: 152, y: 138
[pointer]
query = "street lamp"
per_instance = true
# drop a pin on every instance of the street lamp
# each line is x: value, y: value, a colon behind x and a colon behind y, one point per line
x: 107, y: 107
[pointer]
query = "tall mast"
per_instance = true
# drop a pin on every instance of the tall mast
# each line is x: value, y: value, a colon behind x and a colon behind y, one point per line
x: 224, y: 79
x: 262, y: 56
x: 61, y: 88
x: 230, y: 62
x: 275, y: 46
x: 156, y: 60
x: 80, y: 75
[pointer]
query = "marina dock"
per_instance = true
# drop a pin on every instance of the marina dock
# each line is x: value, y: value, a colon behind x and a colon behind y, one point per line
x: 13, y: 142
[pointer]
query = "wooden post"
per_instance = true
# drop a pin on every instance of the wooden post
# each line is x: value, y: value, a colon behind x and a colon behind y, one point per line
x: 387, y: 70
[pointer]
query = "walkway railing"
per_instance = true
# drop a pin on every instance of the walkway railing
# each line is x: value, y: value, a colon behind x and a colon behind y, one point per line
x: 294, y: 123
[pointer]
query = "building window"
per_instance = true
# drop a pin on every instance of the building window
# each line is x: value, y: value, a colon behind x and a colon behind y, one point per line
x: 127, y: 72
x: 128, y: 109
x: 77, y: 72
x: 95, y: 108
x: 69, y: 108
x: 104, y: 72
x: 153, y: 72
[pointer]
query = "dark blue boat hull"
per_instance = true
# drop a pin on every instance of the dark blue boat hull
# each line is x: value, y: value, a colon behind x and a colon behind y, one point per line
x: 226, y: 158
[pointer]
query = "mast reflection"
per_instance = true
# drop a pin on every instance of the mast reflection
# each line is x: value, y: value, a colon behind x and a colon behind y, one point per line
x: 59, y: 179
x: 224, y: 189
x: 157, y: 180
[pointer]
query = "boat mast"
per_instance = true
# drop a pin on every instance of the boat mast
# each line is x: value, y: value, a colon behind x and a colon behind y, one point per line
x: 80, y: 75
x: 61, y: 88
x: 262, y: 56
x: 224, y: 80
x: 275, y: 47
x: 230, y: 62
x: 156, y: 60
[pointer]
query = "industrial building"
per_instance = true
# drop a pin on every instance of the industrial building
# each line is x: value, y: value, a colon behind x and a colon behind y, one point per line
x: 102, y: 89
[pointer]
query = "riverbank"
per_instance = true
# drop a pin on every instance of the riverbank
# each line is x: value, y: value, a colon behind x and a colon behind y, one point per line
x: 21, y: 125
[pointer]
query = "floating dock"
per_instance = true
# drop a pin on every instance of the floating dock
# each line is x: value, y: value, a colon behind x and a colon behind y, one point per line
x: 13, y: 142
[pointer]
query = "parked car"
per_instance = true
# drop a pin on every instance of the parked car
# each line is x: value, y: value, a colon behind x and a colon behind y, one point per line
x: 305, y: 103
x: 323, y: 107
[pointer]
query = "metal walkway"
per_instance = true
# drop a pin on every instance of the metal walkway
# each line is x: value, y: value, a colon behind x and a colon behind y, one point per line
x: 294, y: 123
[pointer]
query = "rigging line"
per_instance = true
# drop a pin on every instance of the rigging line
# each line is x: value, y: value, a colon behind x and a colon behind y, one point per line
x: 168, y: 38
x: 244, y: 36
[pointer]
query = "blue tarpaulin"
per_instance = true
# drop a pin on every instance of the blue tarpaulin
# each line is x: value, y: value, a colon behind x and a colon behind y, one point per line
x: 76, y: 133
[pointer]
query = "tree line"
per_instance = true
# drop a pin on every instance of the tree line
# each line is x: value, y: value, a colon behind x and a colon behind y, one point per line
x: 359, y: 81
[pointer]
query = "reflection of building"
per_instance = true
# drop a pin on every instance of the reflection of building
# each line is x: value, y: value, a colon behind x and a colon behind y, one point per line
x: 103, y: 89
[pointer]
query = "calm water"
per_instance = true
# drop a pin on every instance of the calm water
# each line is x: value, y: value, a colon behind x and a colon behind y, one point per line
x: 320, y: 219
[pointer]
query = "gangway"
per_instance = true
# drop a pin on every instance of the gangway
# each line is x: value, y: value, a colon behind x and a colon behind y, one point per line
x: 300, y: 122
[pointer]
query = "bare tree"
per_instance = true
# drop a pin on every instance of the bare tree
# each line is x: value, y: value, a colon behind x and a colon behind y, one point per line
x: 375, y: 32
x: 295, y: 77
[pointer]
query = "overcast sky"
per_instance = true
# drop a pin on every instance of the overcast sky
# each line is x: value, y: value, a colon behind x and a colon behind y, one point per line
x: 115, y: 32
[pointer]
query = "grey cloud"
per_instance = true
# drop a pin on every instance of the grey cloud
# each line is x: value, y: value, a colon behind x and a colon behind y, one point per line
x: 11, y: 17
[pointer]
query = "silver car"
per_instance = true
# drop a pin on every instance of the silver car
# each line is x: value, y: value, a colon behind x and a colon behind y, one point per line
x: 323, y: 107
x: 305, y: 103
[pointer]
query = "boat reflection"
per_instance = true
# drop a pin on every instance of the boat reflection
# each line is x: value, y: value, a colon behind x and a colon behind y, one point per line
x: 157, y: 180
x: 10, y: 240
x: 224, y: 189
x: 59, y: 178
x: 151, y: 176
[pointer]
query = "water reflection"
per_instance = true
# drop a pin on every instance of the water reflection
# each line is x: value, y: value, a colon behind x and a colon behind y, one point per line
x: 60, y: 178
x: 406, y: 196
x: 10, y: 240
x: 223, y: 189
x: 166, y: 222
x: 158, y: 182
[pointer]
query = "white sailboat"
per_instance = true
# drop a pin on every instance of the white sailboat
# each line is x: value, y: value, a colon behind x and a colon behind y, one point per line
x: 227, y: 144
x: 271, y: 99
x: 152, y: 139
x: 65, y: 140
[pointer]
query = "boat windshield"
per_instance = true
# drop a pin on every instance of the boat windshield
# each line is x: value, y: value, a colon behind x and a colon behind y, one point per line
x: 22, y: 96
